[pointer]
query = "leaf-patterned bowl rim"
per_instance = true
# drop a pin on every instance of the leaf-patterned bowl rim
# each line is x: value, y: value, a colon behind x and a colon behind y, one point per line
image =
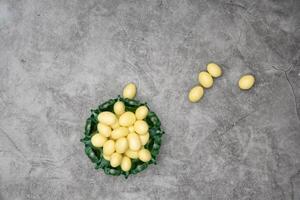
x: 95, y: 154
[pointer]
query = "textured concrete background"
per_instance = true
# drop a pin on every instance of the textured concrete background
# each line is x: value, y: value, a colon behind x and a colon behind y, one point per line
x: 60, y: 58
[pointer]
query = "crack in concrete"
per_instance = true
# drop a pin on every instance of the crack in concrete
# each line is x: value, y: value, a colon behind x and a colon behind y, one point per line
x: 227, y: 127
x: 232, y: 125
x: 13, y: 143
x: 291, y: 179
x: 290, y: 84
x: 277, y: 185
x: 47, y: 162
x: 161, y: 3
x: 275, y: 154
x: 293, y: 93
x: 236, y: 5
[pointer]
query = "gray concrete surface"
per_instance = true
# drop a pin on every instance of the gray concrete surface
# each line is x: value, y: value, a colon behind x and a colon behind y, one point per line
x: 60, y: 58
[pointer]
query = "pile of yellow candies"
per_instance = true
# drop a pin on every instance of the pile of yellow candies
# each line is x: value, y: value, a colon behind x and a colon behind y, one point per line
x: 123, y: 134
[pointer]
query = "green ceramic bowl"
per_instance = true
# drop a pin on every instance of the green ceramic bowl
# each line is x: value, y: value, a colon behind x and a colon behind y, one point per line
x: 95, y: 154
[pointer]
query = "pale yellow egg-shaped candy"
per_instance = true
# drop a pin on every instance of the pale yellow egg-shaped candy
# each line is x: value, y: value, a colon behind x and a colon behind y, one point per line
x: 129, y: 91
x: 144, y: 138
x: 98, y: 140
x: 144, y: 155
x: 115, y: 159
x: 141, y: 127
x: 127, y: 119
x: 214, y: 70
x: 107, y: 118
x: 109, y: 147
x: 126, y: 164
x: 132, y: 154
x: 131, y: 129
x: 104, y: 129
x: 121, y: 145
x: 115, y: 125
x: 246, y: 82
x: 141, y: 113
x: 119, y: 108
x: 119, y: 132
x: 134, y: 141
x: 205, y: 79
x: 196, y: 93
x: 106, y: 157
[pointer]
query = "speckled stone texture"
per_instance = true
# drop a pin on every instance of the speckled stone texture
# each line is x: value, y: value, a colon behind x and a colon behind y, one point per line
x: 59, y: 59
